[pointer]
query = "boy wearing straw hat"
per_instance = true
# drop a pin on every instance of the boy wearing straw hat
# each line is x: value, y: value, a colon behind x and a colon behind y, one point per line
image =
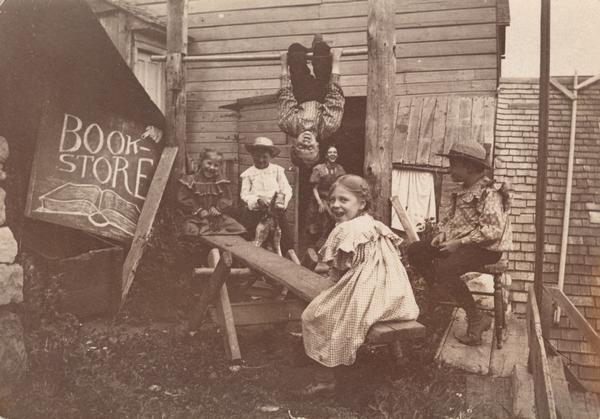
x: 259, y: 183
x: 310, y: 107
x: 475, y: 233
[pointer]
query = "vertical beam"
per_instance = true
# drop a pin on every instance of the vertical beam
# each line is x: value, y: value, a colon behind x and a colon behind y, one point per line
x: 540, y: 200
x: 175, y: 73
x: 380, y: 105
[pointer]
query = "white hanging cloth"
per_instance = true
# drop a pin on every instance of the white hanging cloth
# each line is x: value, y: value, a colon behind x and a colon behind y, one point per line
x: 416, y: 191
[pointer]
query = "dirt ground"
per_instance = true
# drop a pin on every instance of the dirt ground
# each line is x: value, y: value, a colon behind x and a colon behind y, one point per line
x: 139, y: 365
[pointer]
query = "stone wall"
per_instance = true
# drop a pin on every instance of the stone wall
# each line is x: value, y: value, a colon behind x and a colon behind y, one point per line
x: 13, y: 357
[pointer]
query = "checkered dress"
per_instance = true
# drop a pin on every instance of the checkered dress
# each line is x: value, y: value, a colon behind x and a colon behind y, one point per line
x: 371, y: 286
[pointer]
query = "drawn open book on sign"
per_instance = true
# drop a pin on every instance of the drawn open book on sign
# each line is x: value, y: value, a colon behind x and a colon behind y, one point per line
x: 101, y: 207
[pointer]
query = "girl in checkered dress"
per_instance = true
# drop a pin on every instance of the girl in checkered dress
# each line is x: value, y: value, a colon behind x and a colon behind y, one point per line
x: 371, y: 284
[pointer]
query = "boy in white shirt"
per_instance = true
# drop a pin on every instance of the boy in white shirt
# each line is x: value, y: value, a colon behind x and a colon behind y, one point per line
x: 259, y: 183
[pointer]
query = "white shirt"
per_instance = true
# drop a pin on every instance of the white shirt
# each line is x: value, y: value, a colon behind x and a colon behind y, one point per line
x: 264, y: 183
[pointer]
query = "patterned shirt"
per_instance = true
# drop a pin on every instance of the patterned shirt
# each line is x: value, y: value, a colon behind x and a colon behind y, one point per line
x: 480, y: 215
x: 323, y: 119
x: 264, y: 183
x: 324, y: 175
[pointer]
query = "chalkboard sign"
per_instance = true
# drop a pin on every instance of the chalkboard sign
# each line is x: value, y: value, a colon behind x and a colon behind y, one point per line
x: 92, y: 170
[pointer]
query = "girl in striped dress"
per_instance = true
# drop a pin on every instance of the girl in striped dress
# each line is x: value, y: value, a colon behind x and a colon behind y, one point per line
x: 371, y: 284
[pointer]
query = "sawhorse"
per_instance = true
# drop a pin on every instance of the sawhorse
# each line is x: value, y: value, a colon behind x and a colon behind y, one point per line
x: 301, y: 281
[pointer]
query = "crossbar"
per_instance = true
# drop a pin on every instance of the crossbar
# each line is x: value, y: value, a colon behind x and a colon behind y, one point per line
x: 268, y: 56
x: 575, y: 316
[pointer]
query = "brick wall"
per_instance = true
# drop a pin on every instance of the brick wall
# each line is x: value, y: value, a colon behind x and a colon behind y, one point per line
x: 515, y: 159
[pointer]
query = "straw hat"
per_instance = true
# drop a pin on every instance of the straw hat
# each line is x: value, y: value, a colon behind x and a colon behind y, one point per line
x: 468, y: 150
x: 263, y: 143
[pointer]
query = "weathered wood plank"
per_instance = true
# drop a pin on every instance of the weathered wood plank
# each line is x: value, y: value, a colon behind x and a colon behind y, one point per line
x: 215, y: 283
x: 224, y: 312
x: 503, y: 361
x: 544, y: 396
x: 387, y: 332
x: 144, y: 225
x: 409, y: 153
x: 439, y: 131
x: 401, y: 128
x: 475, y: 359
x: 202, y: 6
x: 489, y: 120
x: 349, y: 67
x: 425, y: 131
x: 488, y: 397
x: 465, y: 107
x: 477, y: 119
x: 560, y: 387
x: 253, y: 313
x: 405, y: 49
x: 338, y: 25
x: 302, y: 282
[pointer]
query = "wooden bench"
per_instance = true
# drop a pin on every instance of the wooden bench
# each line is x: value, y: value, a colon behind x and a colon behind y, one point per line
x: 304, y: 283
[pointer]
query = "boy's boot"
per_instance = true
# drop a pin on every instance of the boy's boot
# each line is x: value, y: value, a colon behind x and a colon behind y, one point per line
x: 321, y: 63
x: 303, y: 82
x: 477, y: 323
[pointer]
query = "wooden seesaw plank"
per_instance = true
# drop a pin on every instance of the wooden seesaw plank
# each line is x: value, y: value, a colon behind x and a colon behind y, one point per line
x: 304, y: 283
x: 301, y: 281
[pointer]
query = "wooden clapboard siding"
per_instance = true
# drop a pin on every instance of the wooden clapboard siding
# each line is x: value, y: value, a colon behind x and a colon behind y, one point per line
x: 429, y: 125
x: 445, y: 48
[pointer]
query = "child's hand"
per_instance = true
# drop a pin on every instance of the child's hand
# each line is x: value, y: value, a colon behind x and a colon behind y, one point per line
x: 262, y: 204
x: 450, y: 246
x: 213, y: 212
x: 203, y: 213
x: 322, y: 207
x: 437, y: 240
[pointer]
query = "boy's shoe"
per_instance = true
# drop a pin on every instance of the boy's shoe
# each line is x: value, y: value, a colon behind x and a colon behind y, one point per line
x: 476, y: 325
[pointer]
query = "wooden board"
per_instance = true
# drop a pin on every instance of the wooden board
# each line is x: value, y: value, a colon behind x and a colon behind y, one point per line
x: 504, y: 360
x: 92, y: 169
x: 250, y: 313
x: 560, y: 386
x: 426, y: 126
x: 146, y: 220
x: 302, y: 282
x: 544, y: 395
x: 489, y: 397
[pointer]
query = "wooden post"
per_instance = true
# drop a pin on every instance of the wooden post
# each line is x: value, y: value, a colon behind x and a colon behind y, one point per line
x: 216, y: 281
x: 409, y: 229
x: 380, y: 105
x: 542, y: 157
x: 175, y: 73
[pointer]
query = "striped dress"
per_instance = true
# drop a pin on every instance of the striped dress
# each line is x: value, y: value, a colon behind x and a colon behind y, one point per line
x: 371, y: 285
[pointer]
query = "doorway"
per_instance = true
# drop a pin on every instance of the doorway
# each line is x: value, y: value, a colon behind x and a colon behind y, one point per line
x: 350, y: 142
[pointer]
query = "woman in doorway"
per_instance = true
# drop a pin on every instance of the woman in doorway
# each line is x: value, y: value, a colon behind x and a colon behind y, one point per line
x: 318, y: 215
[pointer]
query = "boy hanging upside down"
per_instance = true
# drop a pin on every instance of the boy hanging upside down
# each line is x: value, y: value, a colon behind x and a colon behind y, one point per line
x: 310, y: 107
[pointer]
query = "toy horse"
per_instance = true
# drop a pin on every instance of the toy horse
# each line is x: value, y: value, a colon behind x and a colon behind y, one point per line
x: 268, y: 226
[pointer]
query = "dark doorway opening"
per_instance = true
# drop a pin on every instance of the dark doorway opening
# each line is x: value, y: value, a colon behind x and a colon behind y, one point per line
x: 350, y: 142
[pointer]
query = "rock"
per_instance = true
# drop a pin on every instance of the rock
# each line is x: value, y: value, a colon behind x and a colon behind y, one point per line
x: 8, y: 246
x: 11, y: 284
x: 2, y: 206
x: 13, y: 357
x: 482, y: 283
